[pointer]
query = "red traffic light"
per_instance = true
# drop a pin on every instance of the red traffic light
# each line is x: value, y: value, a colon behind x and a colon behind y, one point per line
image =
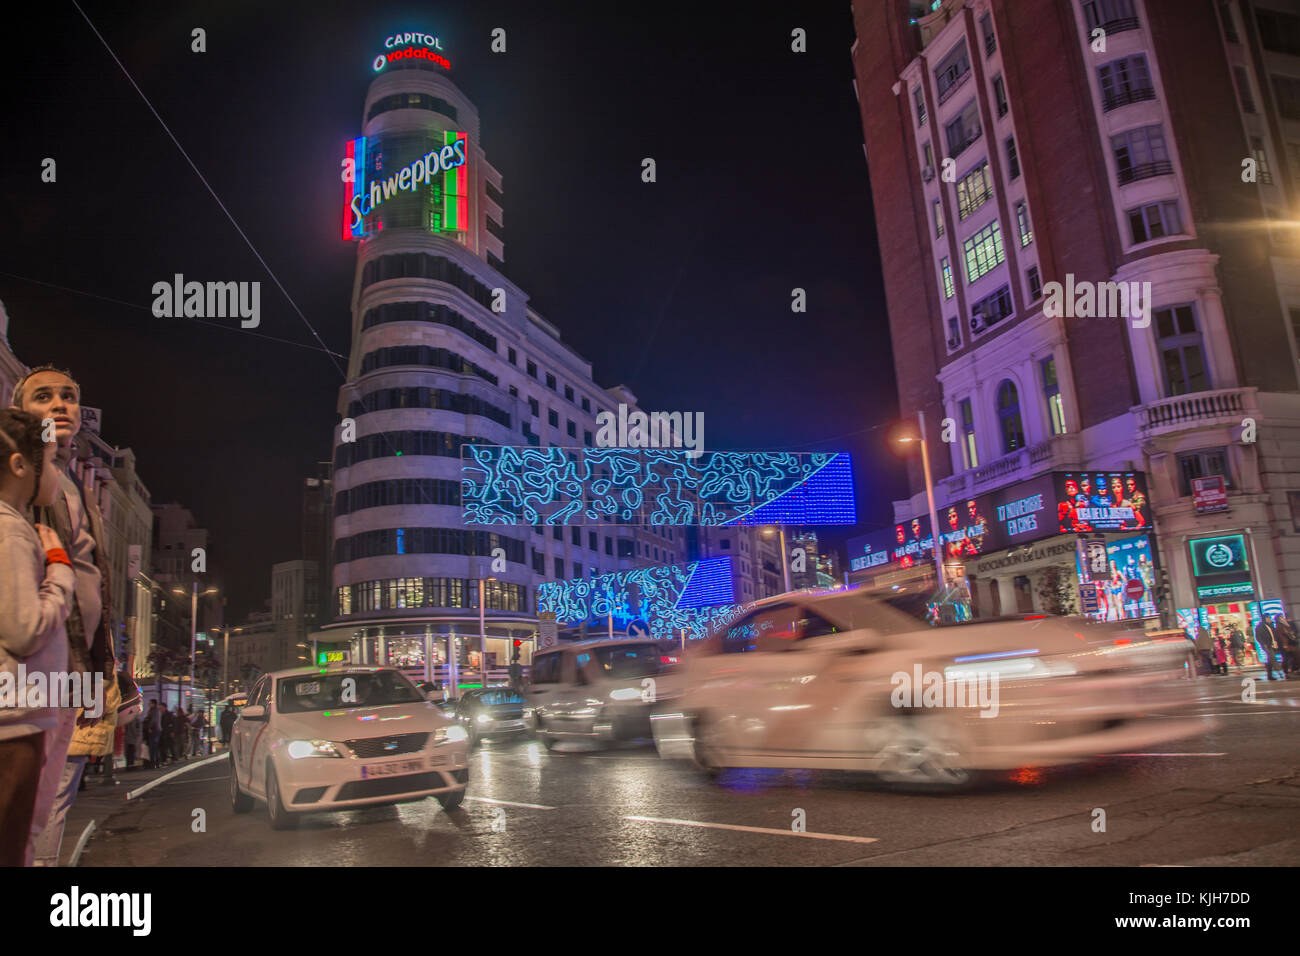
x: 519, y: 643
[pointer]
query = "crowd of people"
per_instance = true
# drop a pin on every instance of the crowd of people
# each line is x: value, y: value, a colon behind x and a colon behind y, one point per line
x: 170, y: 735
x: 1275, y: 646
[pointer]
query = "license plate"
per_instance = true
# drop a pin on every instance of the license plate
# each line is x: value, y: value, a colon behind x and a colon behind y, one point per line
x: 390, y: 769
x: 440, y: 760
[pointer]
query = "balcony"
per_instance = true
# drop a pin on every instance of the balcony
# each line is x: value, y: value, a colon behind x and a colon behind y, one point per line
x: 1053, y: 454
x: 1131, y: 174
x: 1223, y: 407
x: 1115, y: 100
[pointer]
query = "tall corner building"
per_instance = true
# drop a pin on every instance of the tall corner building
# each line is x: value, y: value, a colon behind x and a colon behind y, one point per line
x: 1012, y: 145
x: 447, y: 351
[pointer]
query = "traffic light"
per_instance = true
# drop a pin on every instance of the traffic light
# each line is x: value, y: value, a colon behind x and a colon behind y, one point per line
x: 519, y: 644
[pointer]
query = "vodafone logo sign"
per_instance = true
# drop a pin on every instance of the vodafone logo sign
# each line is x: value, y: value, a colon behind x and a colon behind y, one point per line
x: 406, y: 46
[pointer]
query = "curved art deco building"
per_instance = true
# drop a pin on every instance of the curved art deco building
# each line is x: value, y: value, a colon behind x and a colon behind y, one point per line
x: 446, y: 351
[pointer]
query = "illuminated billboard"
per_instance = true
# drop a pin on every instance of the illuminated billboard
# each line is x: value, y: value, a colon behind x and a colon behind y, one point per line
x: 402, y: 48
x: 1102, y: 501
x: 424, y: 180
x: 664, y: 600
x: 535, y: 486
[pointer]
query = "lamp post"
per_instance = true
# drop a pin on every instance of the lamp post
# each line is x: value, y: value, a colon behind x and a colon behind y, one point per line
x: 785, y: 555
x: 929, y: 497
x: 482, y: 628
x: 194, y: 625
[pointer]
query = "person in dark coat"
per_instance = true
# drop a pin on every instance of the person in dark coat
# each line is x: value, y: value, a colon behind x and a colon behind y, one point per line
x: 227, y: 722
x: 1270, y: 647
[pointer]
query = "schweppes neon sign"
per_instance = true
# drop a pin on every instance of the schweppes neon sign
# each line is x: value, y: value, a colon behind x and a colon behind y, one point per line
x: 442, y: 170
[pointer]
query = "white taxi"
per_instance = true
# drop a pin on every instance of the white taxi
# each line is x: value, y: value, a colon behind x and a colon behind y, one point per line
x: 320, y: 739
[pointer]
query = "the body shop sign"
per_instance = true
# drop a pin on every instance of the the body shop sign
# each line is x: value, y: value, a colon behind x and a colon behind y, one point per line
x: 407, y: 46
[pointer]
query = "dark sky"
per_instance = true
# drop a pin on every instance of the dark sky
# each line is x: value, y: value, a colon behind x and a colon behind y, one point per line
x: 679, y: 289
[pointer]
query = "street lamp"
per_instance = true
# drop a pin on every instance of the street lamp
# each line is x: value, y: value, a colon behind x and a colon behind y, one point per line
x: 785, y: 555
x: 194, y: 625
x: 929, y: 496
x: 482, y: 629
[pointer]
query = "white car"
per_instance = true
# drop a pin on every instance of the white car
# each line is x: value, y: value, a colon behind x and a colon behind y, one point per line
x: 321, y: 739
x: 852, y: 682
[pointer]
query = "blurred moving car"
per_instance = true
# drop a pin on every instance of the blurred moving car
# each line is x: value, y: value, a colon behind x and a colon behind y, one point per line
x: 341, y: 737
x: 598, y: 690
x: 858, y: 682
x: 491, y: 712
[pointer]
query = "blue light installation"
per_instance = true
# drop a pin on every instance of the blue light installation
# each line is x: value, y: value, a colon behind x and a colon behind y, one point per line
x: 651, y: 486
x: 669, y: 598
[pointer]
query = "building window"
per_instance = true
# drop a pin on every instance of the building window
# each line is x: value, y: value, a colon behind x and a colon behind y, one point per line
x: 534, y: 407
x: 1154, y: 221
x: 1205, y: 463
x: 1287, y: 92
x: 918, y: 97
x: 964, y: 130
x: 952, y: 71
x: 1052, y: 392
x: 1229, y: 27
x: 514, y: 358
x: 938, y: 218
x: 1000, y: 95
x: 550, y: 381
x: 1013, y: 432
x: 1243, y: 90
x: 986, y: 30
x: 1113, y: 16
x: 1013, y: 159
x: 968, y: 433
x: 927, y: 158
x: 1022, y: 222
x: 575, y: 535
x: 1140, y: 154
x: 954, y: 334
x: 553, y: 417
x: 557, y: 533
x: 609, y: 545
x: 586, y: 404
x: 559, y: 568
x: 586, y: 439
x: 1182, y: 352
x: 1278, y: 32
x: 572, y: 428
x: 1125, y: 81
x: 945, y: 267
x: 532, y: 369
x: 974, y: 190
x: 1262, y: 173
x: 991, y: 309
x: 1035, y: 284
x: 983, y: 251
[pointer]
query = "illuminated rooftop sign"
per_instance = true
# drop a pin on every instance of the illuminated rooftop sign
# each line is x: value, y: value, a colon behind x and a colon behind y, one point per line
x: 442, y: 172
x: 574, y: 486
x: 405, y: 46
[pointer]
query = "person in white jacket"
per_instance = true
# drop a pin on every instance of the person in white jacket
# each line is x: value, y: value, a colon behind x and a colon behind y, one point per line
x: 36, y: 587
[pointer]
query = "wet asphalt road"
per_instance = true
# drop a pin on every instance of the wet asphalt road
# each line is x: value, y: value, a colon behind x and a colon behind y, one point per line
x: 1230, y: 796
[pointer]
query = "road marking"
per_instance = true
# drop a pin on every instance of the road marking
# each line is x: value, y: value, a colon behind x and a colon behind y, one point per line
x: 732, y: 826
x: 176, y: 773
x: 510, y: 803
x: 81, y: 844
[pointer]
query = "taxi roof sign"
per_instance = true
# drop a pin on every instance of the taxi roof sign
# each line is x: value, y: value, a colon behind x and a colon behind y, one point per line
x: 325, y: 658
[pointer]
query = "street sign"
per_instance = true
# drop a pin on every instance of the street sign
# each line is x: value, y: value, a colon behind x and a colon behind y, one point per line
x: 1134, y: 589
x: 638, y: 629
x: 546, y: 632
x: 1088, y: 599
x: 1209, y: 494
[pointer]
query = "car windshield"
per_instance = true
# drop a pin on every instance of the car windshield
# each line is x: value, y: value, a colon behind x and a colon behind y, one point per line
x: 310, y: 692
x: 631, y: 660
x: 495, y: 698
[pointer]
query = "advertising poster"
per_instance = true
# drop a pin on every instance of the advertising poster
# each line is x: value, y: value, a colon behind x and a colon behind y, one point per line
x: 1101, y: 501
x: 1127, y: 560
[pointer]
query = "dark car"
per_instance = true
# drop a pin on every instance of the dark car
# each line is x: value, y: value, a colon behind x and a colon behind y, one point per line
x: 491, y: 712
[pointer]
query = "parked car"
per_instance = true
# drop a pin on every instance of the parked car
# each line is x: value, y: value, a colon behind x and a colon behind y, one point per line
x: 856, y: 682
x: 313, y: 739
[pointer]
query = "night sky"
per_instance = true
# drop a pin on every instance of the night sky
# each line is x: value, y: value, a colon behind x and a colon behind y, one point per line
x: 679, y: 289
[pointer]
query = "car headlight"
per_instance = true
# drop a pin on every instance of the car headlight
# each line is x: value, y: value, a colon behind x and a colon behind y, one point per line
x: 484, y: 719
x: 449, y: 734
x: 298, y: 749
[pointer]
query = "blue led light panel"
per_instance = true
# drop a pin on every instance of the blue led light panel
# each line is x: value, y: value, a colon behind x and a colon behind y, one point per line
x: 650, y: 486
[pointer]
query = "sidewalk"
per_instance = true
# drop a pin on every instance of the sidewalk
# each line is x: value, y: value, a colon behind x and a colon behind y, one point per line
x: 103, y: 797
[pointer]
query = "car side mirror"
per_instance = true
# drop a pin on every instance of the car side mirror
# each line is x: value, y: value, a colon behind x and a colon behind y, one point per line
x: 253, y: 713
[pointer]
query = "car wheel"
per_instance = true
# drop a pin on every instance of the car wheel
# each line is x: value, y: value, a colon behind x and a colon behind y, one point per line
x: 450, y: 801
x: 924, y: 752
x: 240, y: 802
x: 281, y: 819
x: 705, y: 749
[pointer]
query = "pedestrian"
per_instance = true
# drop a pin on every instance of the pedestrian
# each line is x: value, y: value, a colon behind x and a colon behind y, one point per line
x: 1267, y: 639
x: 1237, y: 644
x: 197, y: 723
x: 131, y: 735
x: 1205, y: 649
x: 166, y: 738
x: 180, y: 733
x: 153, y: 733
x: 49, y: 393
x: 1290, y: 644
x: 36, y: 593
x: 227, y: 722
x: 1220, y: 655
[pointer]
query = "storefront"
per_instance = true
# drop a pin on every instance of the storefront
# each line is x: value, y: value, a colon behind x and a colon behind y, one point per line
x: 1061, y: 543
x: 1227, y: 591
